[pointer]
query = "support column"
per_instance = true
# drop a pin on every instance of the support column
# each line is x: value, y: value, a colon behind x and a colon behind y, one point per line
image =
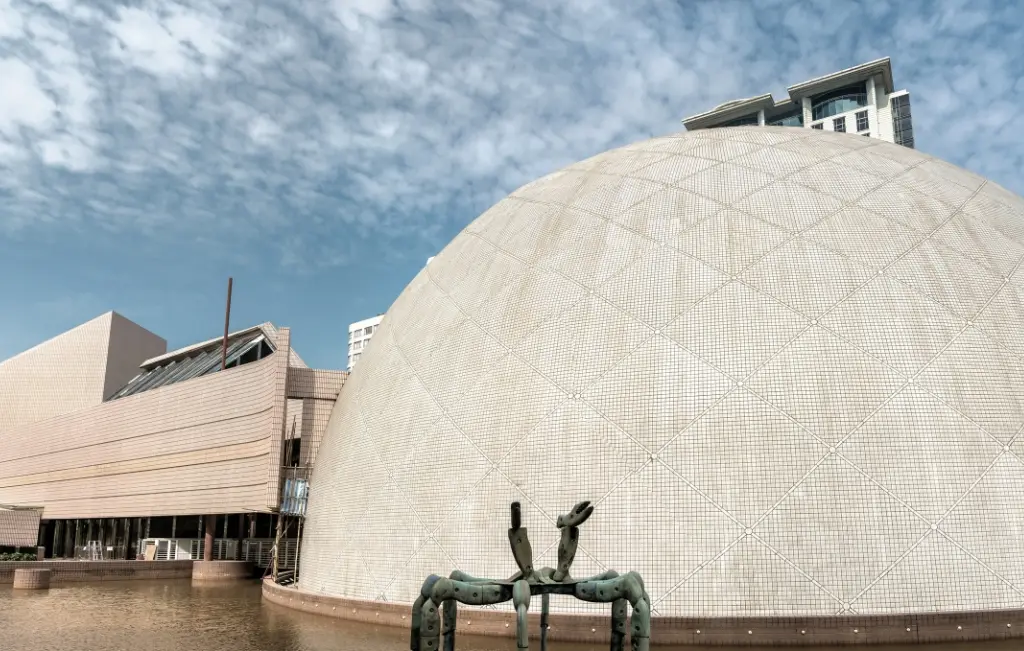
x: 275, y: 563
x: 805, y: 106
x: 211, y: 530
x: 872, y: 92
x: 241, y: 536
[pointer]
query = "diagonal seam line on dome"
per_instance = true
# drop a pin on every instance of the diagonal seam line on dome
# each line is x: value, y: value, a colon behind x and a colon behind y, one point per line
x: 935, y: 357
x: 568, y: 397
x: 495, y: 464
x: 1013, y: 439
x: 889, y: 493
x: 896, y: 497
x: 810, y: 579
x: 882, y: 487
x: 387, y: 468
x: 929, y: 238
x: 566, y: 205
x: 794, y: 234
x: 513, y: 353
x: 719, y: 163
x: 694, y: 571
x: 881, y: 272
x: 426, y: 541
x: 966, y: 552
x: 1006, y: 450
x: 789, y: 177
x: 775, y: 505
x: 891, y: 566
x: 963, y: 549
x: 996, y: 340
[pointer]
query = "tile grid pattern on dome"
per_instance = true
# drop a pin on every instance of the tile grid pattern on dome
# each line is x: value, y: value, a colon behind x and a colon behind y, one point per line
x: 784, y: 364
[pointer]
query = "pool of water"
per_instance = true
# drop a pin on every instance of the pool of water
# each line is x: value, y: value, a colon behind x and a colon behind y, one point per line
x: 175, y: 616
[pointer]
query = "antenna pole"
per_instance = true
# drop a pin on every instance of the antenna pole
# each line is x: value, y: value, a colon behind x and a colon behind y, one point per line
x: 227, y: 320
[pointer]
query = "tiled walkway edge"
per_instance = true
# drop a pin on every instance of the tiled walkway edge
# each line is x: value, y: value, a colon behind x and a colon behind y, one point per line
x: 78, y: 571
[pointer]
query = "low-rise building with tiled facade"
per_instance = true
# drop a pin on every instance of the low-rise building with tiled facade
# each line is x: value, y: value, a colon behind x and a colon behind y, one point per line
x: 121, y: 448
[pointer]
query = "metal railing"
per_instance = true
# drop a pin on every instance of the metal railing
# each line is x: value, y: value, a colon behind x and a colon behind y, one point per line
x: 261, y: 552
x: 177, y: 549
x: 93, y: 551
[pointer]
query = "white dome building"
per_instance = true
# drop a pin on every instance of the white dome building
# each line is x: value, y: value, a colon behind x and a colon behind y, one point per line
x: 787, y: 366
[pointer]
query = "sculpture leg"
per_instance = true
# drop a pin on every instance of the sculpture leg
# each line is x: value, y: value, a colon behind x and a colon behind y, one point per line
x: 430, y: 626
x: 451, y: 615
x: 440, y: 593
x: 640, y: 636
x: 630, y: 587
x: 521, y: 601
x: 417, y: 611
x: 620, y: 610
x: 417, y: 619
x: 545, y: 601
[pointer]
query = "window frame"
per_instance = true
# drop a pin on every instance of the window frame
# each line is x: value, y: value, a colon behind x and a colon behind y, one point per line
x: 862, y: 116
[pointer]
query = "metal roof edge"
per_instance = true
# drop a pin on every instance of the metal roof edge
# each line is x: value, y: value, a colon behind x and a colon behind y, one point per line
x: 728, y: 110
x: 836, y: 79
x: 266, y: 327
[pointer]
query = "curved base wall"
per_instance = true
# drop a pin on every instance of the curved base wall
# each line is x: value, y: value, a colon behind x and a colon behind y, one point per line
x: 761, y: 631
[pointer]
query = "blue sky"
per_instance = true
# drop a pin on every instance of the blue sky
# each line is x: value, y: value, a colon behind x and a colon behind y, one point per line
x: 319, y: 152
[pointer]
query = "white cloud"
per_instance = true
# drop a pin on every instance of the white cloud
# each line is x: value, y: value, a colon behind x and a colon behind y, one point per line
x: 402, y: 119
x: 24, y: 103
x: 180, y: 44
x: 11, y: 22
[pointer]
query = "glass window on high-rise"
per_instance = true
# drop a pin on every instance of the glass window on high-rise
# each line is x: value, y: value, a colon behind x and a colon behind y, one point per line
x: 839, y: 124
x: 839, y: 101
x: 862, y: 121
x: 746, y: 120
x: 902, y: 129
x: 791, y: 119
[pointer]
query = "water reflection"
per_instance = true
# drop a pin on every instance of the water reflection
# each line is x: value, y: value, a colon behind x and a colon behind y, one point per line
x: 174, y: 616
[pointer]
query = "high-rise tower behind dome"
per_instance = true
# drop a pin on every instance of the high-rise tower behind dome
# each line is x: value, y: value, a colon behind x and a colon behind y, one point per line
x: 861, y: 100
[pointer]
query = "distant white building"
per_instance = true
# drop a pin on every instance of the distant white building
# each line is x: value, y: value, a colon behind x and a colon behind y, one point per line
x: 359, y: 334
x: 861, y: 100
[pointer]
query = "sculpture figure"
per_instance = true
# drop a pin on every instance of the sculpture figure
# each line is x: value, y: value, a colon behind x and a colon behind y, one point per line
x: 609, y: 587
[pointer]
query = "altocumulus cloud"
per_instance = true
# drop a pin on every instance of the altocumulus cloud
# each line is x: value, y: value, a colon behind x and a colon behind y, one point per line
x: 318, y: 124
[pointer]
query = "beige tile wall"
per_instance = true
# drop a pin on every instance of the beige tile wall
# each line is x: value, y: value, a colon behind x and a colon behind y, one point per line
x: 312, y: 394
x: 73, y: 370
x: 130, y: 345
x: 19, y: 528
x: 201, y: 446
x: 280, y: 362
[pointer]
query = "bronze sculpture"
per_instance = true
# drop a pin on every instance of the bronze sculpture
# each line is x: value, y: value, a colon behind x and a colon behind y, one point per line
x: 459, y: 587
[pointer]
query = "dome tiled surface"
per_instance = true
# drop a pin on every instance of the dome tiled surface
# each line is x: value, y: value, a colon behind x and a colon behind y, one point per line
x: 785, y: 364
